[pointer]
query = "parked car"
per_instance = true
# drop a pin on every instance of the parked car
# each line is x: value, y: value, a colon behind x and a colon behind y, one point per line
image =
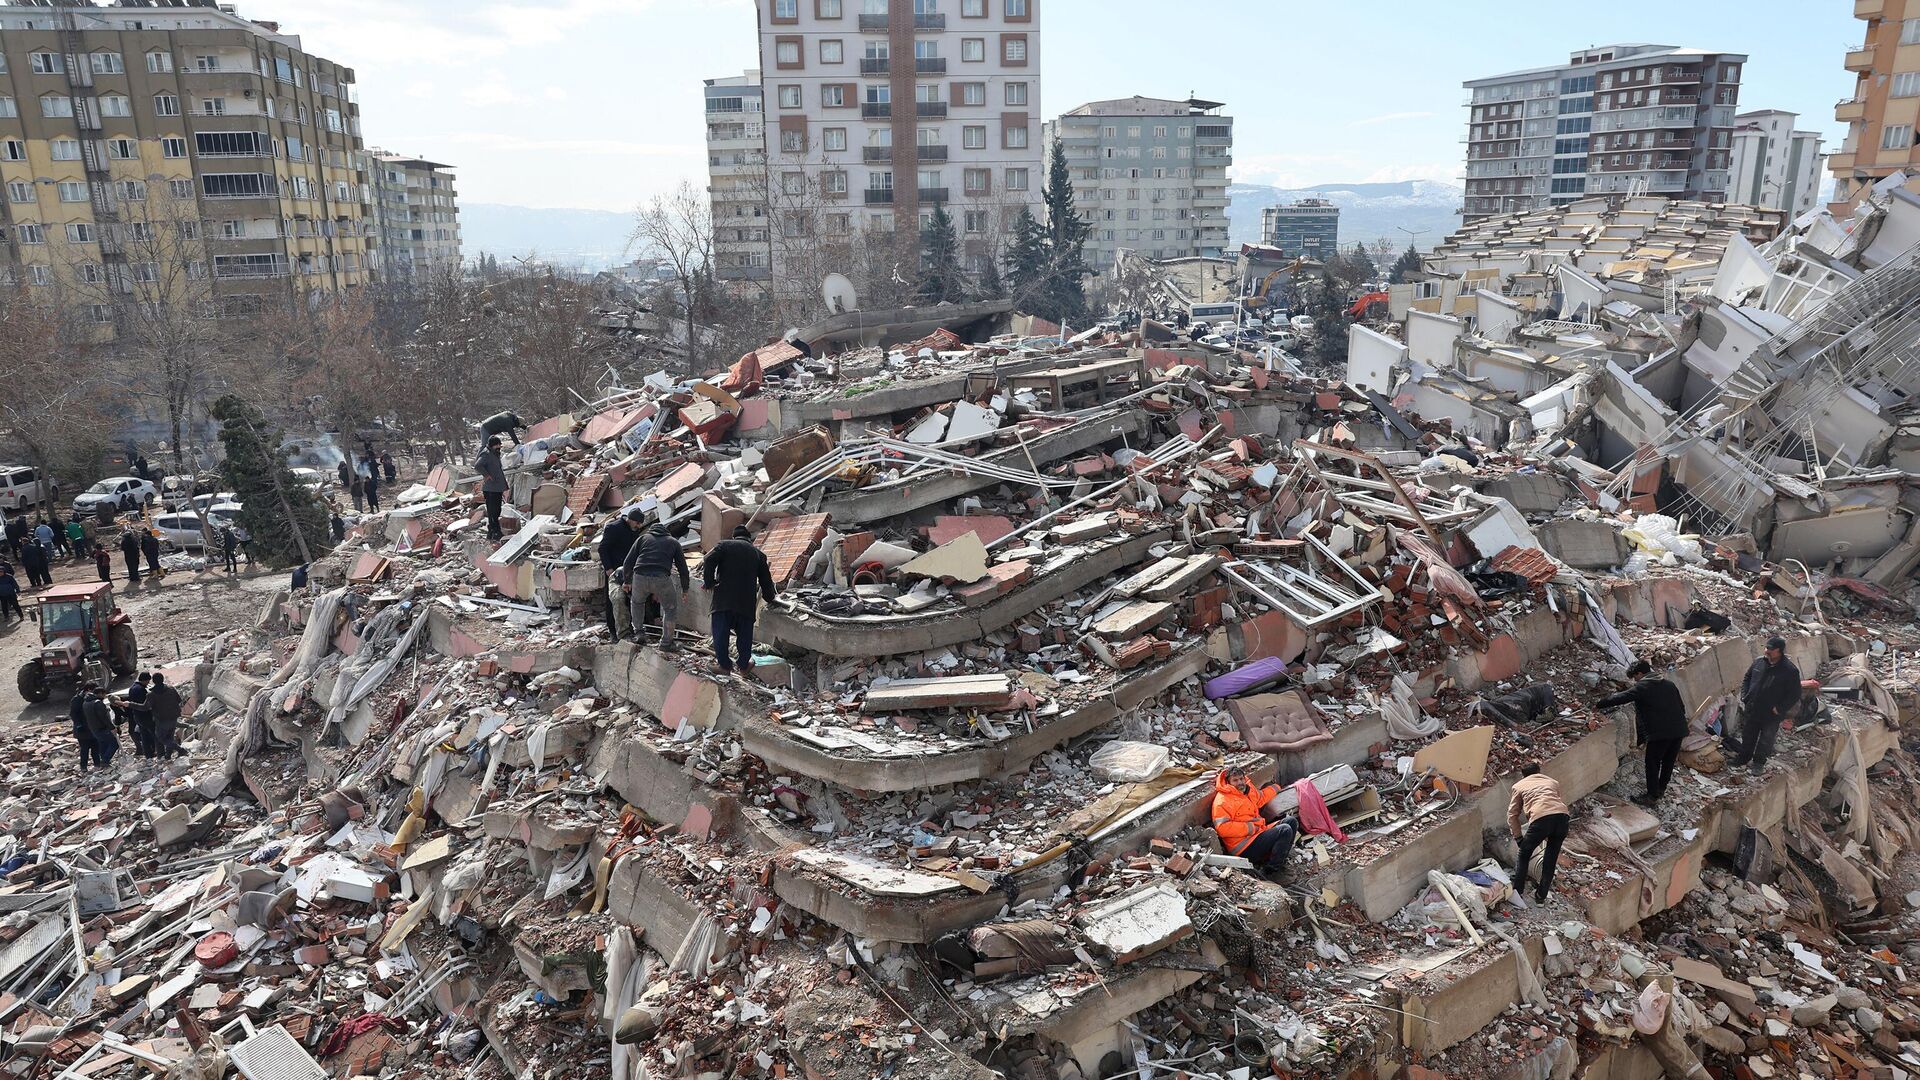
x: 201, y: 502
x: 120, y: 492
x: 222, y: 513
x: 313, y: 479
x: 19, y: 486
x: 1302, y: 324
x: 180, y: 528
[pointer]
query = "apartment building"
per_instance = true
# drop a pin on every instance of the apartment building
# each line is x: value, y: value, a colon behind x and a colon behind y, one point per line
x: 1885, y: 107
x: 417, y: 213
x: 154, y: 153
x: 1306, y: 227
x: 1614, y: 120
x: 737, y: 177
x: 1774, y: 165
x: 1149, y: 175
x: 876, y: 111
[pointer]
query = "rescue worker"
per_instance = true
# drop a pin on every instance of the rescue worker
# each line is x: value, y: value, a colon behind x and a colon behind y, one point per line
x: 616, y: 540
x: 1537, y: 813
x: 1660, y: 722
x: 1239, y: 819
x: 163, y: 702
x: 1768, y: 693
x: 738, y: 576
x: 648, y: 573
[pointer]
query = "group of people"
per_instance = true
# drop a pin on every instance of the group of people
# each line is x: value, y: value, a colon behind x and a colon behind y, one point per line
x: 150, y: 715
x: 70, y: 539
x: 362, y: 475
x: 646, y: 566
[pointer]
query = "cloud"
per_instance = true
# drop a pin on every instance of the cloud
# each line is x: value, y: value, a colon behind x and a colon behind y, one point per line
x: 554, y: 93
x: 1390, y: 118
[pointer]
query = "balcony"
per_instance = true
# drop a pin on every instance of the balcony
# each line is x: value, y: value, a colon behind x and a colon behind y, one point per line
x: 1860, y: 59
x: 1840, y: 162
x: 930, y: 153
x: 274, y: 269
x: 1850, y: 109
x: 933, y: 195
x: 875, y: 65
x: 929, y: 65
x: 1684, y: 97
x: 1869, y: 9
x: 930, y: 22
x: 930, y: 109
x: 879, y: 196
x: 873, y: 154
x: 873, y: 22
x: 876, y: 110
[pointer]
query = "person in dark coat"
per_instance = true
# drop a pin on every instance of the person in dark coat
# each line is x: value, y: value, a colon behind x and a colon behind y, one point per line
x: 164, y: 702
x: 506, y: 423
x: 371, y: 466
x: 16, y: 527
x: 100, y: 726
x: 1660, y: 722
x: 139, y: 716
x: 150, y: 547
x: 36, y: 562
x: 493, y: 484
x: 1768, y: 694
x: 387, y: 466
x: 59, y: 533
x: 10, y: 594
x: 102, y: 562
x: 738, y: 576
x: 345, y: 469
x: 615, y: 541
x: 130, y: 551
x: 359, y: 490
x: 230, y: 548
x: 648, y: 573
x: 338, y: 526
x: 82, y: 734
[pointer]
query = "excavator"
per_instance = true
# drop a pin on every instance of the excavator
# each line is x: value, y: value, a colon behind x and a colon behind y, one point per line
x: 1257, y: 301
x: 1370, y: 305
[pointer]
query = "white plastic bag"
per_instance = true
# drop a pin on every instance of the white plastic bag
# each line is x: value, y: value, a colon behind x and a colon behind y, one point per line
x: 1130, y: 762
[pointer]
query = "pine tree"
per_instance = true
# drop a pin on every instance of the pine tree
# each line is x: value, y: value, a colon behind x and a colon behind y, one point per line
x: 286, y: 520
x: 1329, y: 321
x: 1364, y: 262
x: 1026, y: 261
x: 1407, y: 263
x: 940, y: 277
x: 990, y: 287
x: 1067, y: 232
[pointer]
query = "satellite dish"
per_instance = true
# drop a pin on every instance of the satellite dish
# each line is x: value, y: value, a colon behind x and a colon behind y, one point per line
x: 838, y: 292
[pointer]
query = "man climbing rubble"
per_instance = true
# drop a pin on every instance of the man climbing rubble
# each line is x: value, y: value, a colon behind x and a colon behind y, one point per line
x: 1239, y: 818
x: 737, y: 575
x: 1538, y: 804
x: 616, y: 540
x: 648, y: 573
x: 1768, y: 693
x: 1660, y: 722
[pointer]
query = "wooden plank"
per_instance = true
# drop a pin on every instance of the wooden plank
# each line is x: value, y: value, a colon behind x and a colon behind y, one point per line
x: 1197, y: 568
x: 1704, y: 974
x: 1132, y: 586
x: 960, y: 690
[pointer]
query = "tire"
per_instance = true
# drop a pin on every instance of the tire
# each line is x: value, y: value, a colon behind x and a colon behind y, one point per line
x: 32, y: 683
x: 123, y: 652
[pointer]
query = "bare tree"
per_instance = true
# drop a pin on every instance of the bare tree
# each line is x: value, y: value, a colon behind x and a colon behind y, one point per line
x: 55, y: 402
x: 678, y: 229
x: 547, y: 329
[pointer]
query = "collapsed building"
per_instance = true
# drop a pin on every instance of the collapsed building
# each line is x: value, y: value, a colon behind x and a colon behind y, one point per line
x: 1037, y: 591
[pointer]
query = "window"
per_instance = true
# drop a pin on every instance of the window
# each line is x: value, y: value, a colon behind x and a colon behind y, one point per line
x: 975, y: 181
x: 100, y: 313
x: 30, y: 233
x: 793, y: 142
x: 56, y: 105
x: 974, y: 137
x: 786, y: 53
x: 159, y: 60
x: 1016, y: 179
x: 12, y: 150
x: 105, y: 63
x: 140, y: 230
x: 65, y: 149
x: 282, y: 70
x: 19, y: 191
x: 133, y: 190
x: 786, y: 9
x: 973, y: 93
x: 180, y: 189
x: 1016, y: 93
x: 73, y: 191
x: 1896, y: 137
x: 973, y: 9
x: 40, y: 274
x: 1910, y: 31
x: 833, y: 95
x: 833, y: 138
x: 123, y: 150
x: 80, y: 234
x: 8, y: 108
x: 834, y: 182
x: 173, y: 148
x: 217, y: 106
x: 1016, y: 9
x: 1133, y: 132
x: 1013, y: 50
x: 927, y: 93
x: 974, y: 221
x: 333, y: 120
x: 829, y: 9
x: 45, y: 63
x: 233, y: 230
x: 793, y: 183
x: 1905, y: 84
x: 878, y: 50
x: 833, y: 51
x: 166, y: 105
x: 144, y: 271
x: 115, y: 105
x: 1016, y: 138
x: 926, y: 7
x: 244, y: 185
x: 879, y: 94
x: 789, y: 97
x: 301, y: 116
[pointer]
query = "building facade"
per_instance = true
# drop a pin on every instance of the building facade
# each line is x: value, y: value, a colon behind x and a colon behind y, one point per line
x: 182, y: 153
x: 737, y: 177
x: 877, y: 111
x: 1308, y: 227
x: 417, y: 213
x: 1614, y: 120
x: 1149, y: 175
x: 1884, y: 110
x: 1774, y: 165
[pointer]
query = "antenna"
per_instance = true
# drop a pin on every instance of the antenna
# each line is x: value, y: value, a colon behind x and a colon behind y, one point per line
x: 838, y: 292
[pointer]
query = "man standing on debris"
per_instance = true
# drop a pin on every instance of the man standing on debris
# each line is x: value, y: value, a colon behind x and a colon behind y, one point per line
x: 163, y: 702
x: 1768, y: 693
x: 493, y: 484
x: 616, y: 540
x: 100, y: 725
x: 737, y: 575
x: 648, y: 573
x: 337, y: 525
x: 82, y: 734
x: 1538, y: 803
x: 130, y: 551
x: 140, y: 716
x: 1660, y: 721
x: 1239, y: 819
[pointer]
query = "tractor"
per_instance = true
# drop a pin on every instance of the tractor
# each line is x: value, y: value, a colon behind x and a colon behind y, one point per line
x: 83, y: 635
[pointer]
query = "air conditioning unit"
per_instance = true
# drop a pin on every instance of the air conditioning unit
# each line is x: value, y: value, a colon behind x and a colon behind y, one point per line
x: 246, y: 93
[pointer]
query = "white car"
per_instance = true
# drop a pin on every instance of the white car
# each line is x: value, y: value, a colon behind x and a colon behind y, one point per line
x: 312, y: 479
x: 1302, y: 324
x: 222, y: 513
x: 201, y: 502
x: 19, y: 486
x: 180, y: 529
x: 119, y: 492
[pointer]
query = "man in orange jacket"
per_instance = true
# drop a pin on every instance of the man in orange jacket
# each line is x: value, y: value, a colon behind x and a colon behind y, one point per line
x: 1243, y: 827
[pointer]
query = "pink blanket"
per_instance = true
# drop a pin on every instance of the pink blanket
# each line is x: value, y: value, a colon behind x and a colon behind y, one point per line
x: 1314, y: 815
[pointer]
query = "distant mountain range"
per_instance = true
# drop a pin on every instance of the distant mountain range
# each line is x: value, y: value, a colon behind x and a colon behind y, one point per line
x: 1367, y: 211
x: 587, y: 239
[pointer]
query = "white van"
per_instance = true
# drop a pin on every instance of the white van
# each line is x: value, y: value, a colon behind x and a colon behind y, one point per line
x: 19, y: 486
x: 1212, y: 313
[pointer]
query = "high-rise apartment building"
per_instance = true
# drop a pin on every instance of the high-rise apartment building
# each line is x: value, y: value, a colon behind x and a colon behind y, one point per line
x: 1149, y: 175
x: 154, y: 153
x: 1885, y: 107
x: 1613, y: 120
x: 737, y: 177
x: 1307, y: 227
x: 417, y: 214
x: 877, y: 111
x: 1774, y: 165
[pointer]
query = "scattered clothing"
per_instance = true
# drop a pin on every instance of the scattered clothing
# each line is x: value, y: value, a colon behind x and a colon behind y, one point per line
x: 1314, y: 815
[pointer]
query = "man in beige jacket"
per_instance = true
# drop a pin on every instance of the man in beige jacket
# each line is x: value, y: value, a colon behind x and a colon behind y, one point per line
x: 1537, y: 802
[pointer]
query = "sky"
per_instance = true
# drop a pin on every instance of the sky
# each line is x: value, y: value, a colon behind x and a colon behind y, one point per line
x: 596, y: 104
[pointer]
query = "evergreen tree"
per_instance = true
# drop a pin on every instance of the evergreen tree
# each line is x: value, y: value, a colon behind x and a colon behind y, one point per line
x: 1364, y: 262
x: 990, y: 287
x: 1407, y: 263
x: 940, y: 276
x: 1067, y: 232
x: 1329, y: 321
x: 1027, y: 259
x: 286, y: 520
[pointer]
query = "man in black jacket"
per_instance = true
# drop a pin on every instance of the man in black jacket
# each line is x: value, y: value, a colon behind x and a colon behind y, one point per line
x: 130, y: 551
x: 82, y: 734
x: 100, y: 726
x: 1660, y: 722
x: 150, y: 547
x: 616, y: 540
x: 737, y: 575
x: 163, y: 702
x: 36, y: 562
x: 648, y: 573
x: 493, y: 484
x: 1768, y: 694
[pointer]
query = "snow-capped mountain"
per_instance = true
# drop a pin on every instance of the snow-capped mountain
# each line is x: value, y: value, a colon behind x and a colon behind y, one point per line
x: 1368, y: 212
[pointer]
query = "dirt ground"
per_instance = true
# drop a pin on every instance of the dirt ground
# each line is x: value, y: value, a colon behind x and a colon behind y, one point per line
x: 172, y: 616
